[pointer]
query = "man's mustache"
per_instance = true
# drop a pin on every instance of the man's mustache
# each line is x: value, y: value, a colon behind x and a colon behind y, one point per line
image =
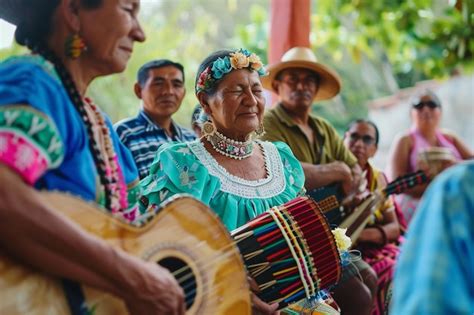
x: 301, y: 94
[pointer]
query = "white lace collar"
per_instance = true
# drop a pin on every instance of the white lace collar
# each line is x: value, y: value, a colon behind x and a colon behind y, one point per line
x: 268, y: 187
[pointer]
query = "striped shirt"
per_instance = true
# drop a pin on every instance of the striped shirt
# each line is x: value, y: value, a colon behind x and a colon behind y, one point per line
x: 143, y: 138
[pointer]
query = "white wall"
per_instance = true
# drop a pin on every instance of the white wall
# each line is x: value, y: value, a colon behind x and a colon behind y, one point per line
x: 457, y: 98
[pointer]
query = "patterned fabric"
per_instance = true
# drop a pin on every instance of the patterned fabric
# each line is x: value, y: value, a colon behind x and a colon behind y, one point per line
x: 190, y: 168
x: 143, y: 138
x: 381, y: 258
x: 328, y: 146
x: 29, y: 142
x: 43, y: 138
x: 435, y: 273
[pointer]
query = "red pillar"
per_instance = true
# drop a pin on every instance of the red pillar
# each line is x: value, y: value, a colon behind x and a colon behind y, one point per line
x: 290, y: 26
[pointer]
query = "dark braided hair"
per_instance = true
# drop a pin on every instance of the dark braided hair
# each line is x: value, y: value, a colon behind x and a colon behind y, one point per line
x: 78, y: 103
x: 33, y: 34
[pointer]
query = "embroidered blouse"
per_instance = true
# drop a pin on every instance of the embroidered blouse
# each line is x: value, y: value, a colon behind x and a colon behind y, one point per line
x: 189, y: 168
x: 43, y: 138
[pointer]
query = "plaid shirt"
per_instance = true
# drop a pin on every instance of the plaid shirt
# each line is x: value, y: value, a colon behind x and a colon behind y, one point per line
x: 143, y: 138
x: 435, y: 271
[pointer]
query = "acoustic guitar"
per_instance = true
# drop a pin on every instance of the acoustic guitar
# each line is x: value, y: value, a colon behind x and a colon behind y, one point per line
x: 330, y: 201
x: 185, y: 237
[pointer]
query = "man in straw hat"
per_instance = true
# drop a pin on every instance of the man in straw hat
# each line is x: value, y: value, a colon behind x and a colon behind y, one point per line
x: 299, y: 80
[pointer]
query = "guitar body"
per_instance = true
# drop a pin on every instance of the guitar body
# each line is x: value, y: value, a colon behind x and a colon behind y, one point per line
x: 185, y: 233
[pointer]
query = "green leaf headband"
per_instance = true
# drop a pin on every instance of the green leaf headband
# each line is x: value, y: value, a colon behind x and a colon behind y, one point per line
x: 239, y: 59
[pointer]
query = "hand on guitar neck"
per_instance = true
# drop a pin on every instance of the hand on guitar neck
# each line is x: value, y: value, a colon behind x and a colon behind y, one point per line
x: 332, y: 202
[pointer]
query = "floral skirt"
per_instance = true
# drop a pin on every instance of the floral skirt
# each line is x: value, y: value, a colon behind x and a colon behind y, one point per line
x: 382, y: 260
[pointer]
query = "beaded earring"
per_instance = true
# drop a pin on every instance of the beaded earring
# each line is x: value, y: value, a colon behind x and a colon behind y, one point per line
x: 208, y: 128
x: 260, y: 131
x: 74, y: 46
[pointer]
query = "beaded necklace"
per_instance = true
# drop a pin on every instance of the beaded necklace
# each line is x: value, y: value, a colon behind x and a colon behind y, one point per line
x: 231, y: 148
x: 100, y: 145
x: 113, y: 172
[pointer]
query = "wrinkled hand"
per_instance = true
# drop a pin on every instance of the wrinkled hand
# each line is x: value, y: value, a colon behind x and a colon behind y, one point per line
x: 157, y: 292
x: 354, y: 186
x: 258, y: 306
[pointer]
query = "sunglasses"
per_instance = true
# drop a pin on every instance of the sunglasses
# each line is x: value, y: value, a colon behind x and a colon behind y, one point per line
x: 430, y: 104
x: 366, y: 139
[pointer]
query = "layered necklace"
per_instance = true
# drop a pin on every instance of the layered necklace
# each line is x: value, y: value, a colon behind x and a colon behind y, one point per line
x: 231, y: 148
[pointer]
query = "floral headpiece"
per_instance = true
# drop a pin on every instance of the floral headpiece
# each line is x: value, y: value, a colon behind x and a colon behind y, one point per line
x: 239, y: 59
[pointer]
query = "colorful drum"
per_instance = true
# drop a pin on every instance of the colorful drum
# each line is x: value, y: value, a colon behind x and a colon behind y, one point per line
x: 290, y: 251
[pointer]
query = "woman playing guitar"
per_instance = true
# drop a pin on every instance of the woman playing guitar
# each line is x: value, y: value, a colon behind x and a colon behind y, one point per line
x: 376, y: 241
x: 52, y: 137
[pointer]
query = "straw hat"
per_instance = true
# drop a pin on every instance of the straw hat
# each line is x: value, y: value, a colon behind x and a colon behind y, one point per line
x: 303, y: 57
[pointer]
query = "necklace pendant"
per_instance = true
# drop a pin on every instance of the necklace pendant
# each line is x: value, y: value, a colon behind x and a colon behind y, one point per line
x: 229, y: 147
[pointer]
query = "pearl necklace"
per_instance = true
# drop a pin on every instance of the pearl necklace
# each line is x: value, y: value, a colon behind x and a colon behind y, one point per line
x: 231, y: 148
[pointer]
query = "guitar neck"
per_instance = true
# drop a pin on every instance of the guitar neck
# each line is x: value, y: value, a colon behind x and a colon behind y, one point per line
x: 360, y: 217
x: 405, y: 182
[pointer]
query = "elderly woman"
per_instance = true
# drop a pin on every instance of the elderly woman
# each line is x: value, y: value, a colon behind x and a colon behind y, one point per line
x: 377, y: 241
x: 238, y: 176
x: 425, y: 134
x: 54, y: 138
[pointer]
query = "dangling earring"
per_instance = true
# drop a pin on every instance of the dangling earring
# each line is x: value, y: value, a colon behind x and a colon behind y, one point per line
x: 74, y: 46
x: 260, y: 131
x: 208, y: 129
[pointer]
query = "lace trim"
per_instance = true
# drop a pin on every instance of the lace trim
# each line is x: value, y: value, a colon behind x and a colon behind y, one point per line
x: 268, y: 187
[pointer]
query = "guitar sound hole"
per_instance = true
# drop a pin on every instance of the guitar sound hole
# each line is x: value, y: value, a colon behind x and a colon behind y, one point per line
x: 184, y: 275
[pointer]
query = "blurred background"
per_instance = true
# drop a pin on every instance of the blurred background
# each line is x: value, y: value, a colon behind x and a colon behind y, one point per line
x: 383, y: 50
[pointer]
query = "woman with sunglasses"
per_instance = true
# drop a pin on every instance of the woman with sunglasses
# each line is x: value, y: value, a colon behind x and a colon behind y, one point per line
x: 424, y: 134
x: 377, y: 242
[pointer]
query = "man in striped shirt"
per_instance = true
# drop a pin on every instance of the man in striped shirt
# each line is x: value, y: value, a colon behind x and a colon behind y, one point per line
x: 160, y: 86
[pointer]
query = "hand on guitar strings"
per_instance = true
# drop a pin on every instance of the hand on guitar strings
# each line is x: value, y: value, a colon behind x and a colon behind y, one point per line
x: 357, y: 191
x: 156, y: 292
x: 258, y: 306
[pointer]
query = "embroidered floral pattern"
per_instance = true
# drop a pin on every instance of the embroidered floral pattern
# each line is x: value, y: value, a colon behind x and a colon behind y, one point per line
x: 239, y: 59
x: 268, y: 187
x: 29, y: 142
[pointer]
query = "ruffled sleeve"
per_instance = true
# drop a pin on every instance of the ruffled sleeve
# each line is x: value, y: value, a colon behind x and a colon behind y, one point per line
x: 176, y: 170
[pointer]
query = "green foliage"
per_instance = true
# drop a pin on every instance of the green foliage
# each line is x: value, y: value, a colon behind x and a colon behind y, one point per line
x: 186, y: 32
x: 431, y: 37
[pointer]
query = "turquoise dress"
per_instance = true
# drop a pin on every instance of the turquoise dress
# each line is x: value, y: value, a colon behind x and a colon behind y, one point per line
x: 189, y: 168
